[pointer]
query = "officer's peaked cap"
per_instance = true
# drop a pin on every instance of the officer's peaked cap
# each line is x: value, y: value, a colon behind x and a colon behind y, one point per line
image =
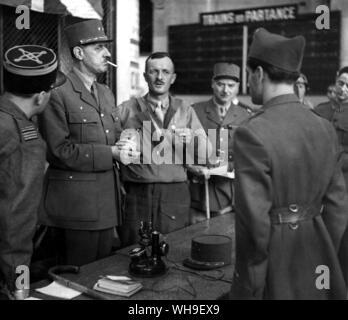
x: 85, y: 32
x: 226, y: 70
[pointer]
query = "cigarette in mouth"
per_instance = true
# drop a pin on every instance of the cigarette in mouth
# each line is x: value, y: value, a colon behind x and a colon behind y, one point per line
x: 114, y: 65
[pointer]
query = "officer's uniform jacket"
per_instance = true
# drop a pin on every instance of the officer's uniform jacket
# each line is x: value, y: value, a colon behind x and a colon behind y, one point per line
x: 80, y: 190
x: 287, y: 168
x: 338, y: 116
x: 22, y: 164
x: 220, y: 189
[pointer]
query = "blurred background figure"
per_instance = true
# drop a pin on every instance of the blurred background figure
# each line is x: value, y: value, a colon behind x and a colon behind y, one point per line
x: 301, y: 88
x: 331, y: 92
x: 336, y: 111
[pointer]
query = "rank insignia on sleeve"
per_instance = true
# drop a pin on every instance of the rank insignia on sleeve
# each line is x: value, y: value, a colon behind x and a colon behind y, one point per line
x: 29, y: 133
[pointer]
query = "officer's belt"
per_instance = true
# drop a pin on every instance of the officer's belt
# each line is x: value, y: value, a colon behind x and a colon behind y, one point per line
x: 294, y: 213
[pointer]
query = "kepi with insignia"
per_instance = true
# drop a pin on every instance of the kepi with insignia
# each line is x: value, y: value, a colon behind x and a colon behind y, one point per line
x: 31, y: 69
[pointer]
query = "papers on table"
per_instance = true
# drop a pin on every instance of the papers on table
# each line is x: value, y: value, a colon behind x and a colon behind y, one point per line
x: 59, y: 291
x: 118, y: 285
x: 222, y: 171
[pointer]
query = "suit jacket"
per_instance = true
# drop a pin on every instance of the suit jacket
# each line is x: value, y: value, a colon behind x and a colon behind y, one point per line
x: 220, y: 188
x: 80, y: 190
x: 22, y: 164
x: 287, y: 155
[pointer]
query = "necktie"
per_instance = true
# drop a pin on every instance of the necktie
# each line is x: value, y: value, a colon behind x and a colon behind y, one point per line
x: 94, y: 93
x: 222, y: 111
x: 159, y: 112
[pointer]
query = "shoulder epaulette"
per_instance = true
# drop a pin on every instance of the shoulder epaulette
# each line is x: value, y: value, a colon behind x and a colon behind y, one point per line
x: 247, y: 108
x: 256, y: 113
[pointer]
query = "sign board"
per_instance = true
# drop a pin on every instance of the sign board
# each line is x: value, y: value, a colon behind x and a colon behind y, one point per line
x: 264, y: 14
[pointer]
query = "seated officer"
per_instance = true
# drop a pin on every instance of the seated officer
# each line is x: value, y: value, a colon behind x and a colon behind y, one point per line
x: 30, y: 72
x: 222, y: 112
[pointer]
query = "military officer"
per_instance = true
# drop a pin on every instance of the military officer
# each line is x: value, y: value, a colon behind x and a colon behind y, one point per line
x: 30, y: 73
x: 222, y: 112
x: 291, y: 200
x: 336, y: 111
x: 82, y: 198
x: 301, y: 87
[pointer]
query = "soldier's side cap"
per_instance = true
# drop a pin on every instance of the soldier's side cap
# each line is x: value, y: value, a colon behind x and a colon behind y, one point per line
x: 209, y: 252
x: 85, y: 32
x: 31, y: 69
x: 278, y: 51
x: 226, y: 70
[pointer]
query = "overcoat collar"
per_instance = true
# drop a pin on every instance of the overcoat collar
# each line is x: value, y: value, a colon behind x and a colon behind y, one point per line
x: 282, y: 99
x: 11, y: 108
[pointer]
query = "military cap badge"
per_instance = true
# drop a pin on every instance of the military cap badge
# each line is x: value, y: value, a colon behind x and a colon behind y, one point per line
x: 31, y: 69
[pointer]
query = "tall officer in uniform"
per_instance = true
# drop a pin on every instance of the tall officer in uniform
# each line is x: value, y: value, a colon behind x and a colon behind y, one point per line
x: 222, y: 112
x: 337, y: 114
x: 291, y: 200
x: 336, y: 111
x: 158, y: 191
x: 30, y: 73
x: 81, y: 193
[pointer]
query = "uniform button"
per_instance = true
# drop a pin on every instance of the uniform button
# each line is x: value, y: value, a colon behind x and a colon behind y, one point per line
x: 230, y: 157
x: 84, y: 120
x: 81, y: 108
x: 70, y: 177
x: 293, y: 208
x: 221, y: 139
x: 87, y: 155
x: 102, y: 115
x: 107, y: 130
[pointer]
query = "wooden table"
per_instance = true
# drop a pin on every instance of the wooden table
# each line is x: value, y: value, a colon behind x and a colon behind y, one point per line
x: 179, y: 283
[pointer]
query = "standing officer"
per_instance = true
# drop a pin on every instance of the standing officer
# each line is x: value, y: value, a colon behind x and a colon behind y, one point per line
x: 30, y: 73
x: 336, y: 111
x: 222, y: 112
x: 81, y: 192
x: 301, y: 87
x: 291, y: 200
x: 158, y: 191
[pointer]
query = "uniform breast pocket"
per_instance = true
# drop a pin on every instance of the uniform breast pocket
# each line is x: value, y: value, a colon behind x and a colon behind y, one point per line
x: 84, y: 126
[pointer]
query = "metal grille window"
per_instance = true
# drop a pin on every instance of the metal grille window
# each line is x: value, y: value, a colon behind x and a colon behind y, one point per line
x: 47, y: 30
